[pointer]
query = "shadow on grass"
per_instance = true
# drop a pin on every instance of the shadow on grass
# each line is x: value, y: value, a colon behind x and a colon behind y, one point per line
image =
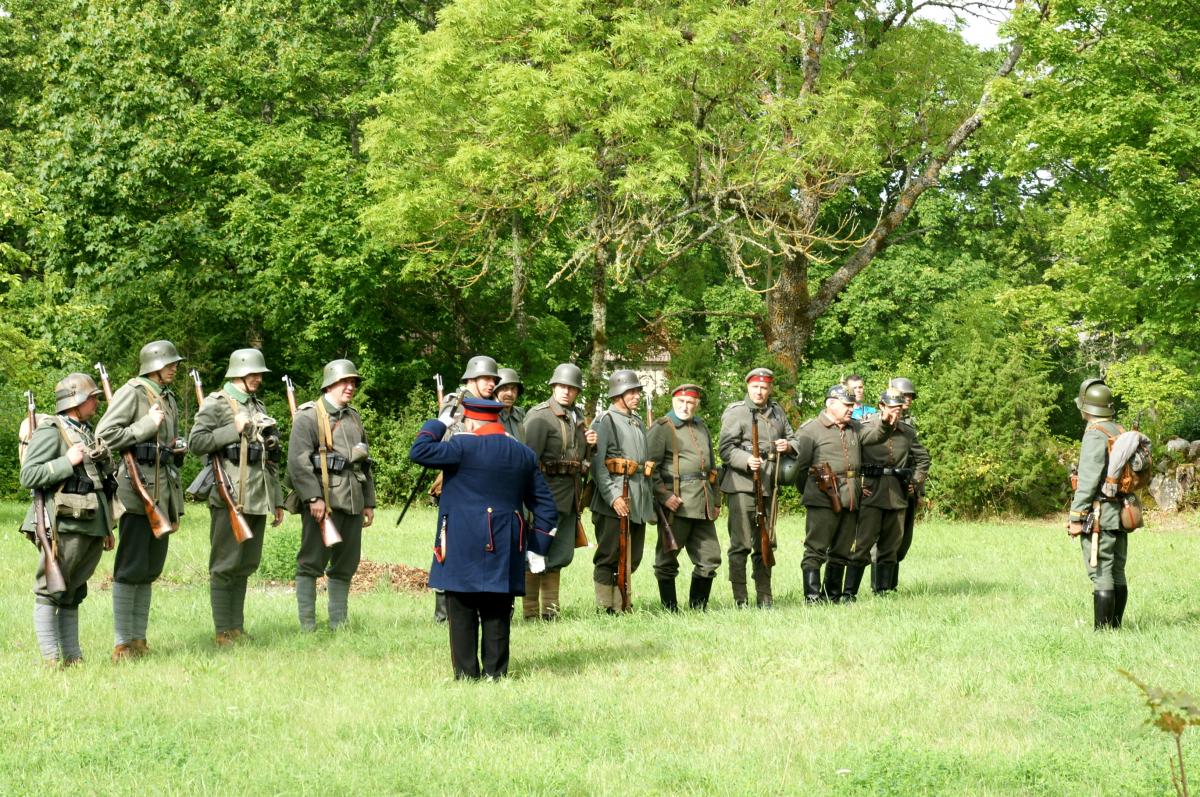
x: 959, y: 586
x: 575, y: 659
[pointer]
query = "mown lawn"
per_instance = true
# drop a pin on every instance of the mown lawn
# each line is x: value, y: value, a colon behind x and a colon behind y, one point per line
x: 983, y: 677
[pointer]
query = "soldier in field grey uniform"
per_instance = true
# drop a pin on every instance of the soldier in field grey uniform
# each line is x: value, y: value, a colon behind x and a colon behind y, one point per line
x: 73, y: 473
x: 555, y: 431
x: 233, y: 424
x: 479, y: 380
x: 685, y: 484
x: 619, y: 461
x: 894, y: 466
x: 330, y: 428
x: 508, y: 392
x: 737, y: 482
x: 904, y: 386
x: 829, y: 440
x: 143, y: 416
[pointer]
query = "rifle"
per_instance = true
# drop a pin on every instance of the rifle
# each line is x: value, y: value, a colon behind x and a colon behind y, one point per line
x: 665, y: 535
x: 237, y: 521
x: 41, y: 521
x: 423, y: 478
x: 827, y: 483
x: 329, y: 533
x: 623, y: 551
x: 760, y: 512
x: 1095, y: 532
x: 159, y: 525
x: 581, y: 492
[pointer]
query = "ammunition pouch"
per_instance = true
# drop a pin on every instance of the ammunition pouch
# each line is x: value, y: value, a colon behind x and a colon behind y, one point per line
x: 75, y: 505
x: 77, y: 484
x: 619, y: 466
x: 562, y: 467
x: 875, y: 471
x: 254, y: 453
x: 334, y: 462
x: 150, y: 452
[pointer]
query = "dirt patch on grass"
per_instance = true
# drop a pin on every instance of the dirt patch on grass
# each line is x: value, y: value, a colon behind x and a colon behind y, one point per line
x: 370, y: 575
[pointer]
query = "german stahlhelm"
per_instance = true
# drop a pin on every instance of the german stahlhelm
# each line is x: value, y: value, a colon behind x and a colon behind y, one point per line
x: 336, y: 371
x: 73, y: 390
x: 156, y: 356
x: 244, y: 362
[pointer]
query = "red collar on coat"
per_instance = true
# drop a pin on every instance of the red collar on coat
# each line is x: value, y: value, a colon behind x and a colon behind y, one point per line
x: 490, y: 428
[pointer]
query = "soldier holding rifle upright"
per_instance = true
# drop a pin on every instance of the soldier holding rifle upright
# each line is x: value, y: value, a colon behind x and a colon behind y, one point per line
x: 685, y: 488
x: 232, y: 426
x: 330, y: 469
x: 746, y: 492
x: 555, y: 431
x: 143, y: 421
x: 621, y: 504
x: 828, y: 448
x: 72, y: 476
x: 894, y: 466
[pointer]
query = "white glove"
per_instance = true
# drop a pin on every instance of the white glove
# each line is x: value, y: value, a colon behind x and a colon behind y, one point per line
x: 537, y: 563
x: 447, y: 415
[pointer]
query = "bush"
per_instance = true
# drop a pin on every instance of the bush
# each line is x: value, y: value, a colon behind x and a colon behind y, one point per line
x: 984, y: 417
x: 279, y: 553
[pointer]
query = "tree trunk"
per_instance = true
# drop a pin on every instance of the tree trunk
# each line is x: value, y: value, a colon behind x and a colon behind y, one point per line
x: 788, y: 324
x: 599, y: 326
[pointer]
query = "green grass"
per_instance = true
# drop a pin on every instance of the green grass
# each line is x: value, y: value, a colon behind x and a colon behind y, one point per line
x: 983, y: 677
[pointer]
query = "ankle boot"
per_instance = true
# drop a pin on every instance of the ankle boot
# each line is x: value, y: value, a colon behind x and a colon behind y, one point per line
x: 1104, y: 605
x: 1122, y: 596
x: 306, y: 602
x: 834, y: 576
x: 529, y: 601
x: 877, y: 577
x: 762, y: 590
x: 550, y: 583
x: 812, y: 586
x: 666, y: 592
x: 439, y: 606
x: 854, y: 576
x: 699, y: 592
x: 894, y: 576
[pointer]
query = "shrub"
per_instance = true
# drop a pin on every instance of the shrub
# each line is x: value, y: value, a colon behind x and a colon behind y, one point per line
x: 279, y: 553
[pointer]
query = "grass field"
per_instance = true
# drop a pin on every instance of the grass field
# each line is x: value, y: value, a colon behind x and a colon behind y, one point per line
x: 983, y: 677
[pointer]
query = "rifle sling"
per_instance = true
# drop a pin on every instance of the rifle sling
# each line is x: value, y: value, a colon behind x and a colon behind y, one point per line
x: 324, y: 443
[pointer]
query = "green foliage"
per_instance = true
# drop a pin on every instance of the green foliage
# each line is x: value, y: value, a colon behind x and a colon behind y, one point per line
x: 391, y: 437
x: 1153, y: 388
x: 1172, y: 713
x: 984, y: 419
x: 279, y: 553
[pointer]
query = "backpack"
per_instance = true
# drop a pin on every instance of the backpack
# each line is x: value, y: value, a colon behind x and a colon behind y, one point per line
x: 1129, y: 462
x: 25, y: 434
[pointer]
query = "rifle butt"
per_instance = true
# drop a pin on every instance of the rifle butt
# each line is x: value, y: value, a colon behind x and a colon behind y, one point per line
x: 241, y: 529
x: 1095, y: 557
x: 329, y: 532
x: 581, y: 540
x: 55, y: 582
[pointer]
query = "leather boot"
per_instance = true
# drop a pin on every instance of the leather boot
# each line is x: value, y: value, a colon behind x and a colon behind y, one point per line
x: 877, y: 577
x: 812, y: 586
x: 834, y: 576
x: 666, y: 592
x: 741, y: 599
x: 550, y: 582
x: 306, y: 602
x: 529, y: 601
x: 698, y: 594
x: 1104, y: 606
x: 762, y: 590
x: 854, y: 576
x: 1122, y: 591
x: 894, y: 576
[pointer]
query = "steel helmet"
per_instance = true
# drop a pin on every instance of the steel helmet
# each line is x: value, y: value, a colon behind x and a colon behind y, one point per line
x: 480, y: 365
x: 244, y: 362
x: 903, y: 385
x: 156, y: 356
x: 1083, y: 386
x: 1097, y: 400
x: 621, y: 381
x: 73, y: 390
x: 567, y: 374
x: 789, y: 470
x: 891, y: 398
x: 336, y: 371
x: 509, y: 376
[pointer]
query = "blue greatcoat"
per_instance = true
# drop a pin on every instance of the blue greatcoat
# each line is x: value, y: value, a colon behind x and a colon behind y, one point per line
x: 482, y: 535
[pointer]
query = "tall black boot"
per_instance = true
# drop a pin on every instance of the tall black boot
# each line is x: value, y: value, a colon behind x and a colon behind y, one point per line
x: 877, y: 577
x: 666, y: 591
x: 894, y: 576
x: 854, y: 577
x: 1104, y: 605
x: 834, y: 576
x: 699, y: 592
x: 1122, y: 591
x: 812, y: 586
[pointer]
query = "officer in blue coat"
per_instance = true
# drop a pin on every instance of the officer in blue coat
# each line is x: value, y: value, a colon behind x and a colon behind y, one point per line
x: 482, y: 538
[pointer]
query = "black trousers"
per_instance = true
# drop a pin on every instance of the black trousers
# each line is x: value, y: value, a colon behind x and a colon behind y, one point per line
x: 471, y: 614
x: 140, y: 555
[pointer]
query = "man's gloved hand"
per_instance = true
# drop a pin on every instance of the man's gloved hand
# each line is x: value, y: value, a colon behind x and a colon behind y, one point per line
x: 537, y: 563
